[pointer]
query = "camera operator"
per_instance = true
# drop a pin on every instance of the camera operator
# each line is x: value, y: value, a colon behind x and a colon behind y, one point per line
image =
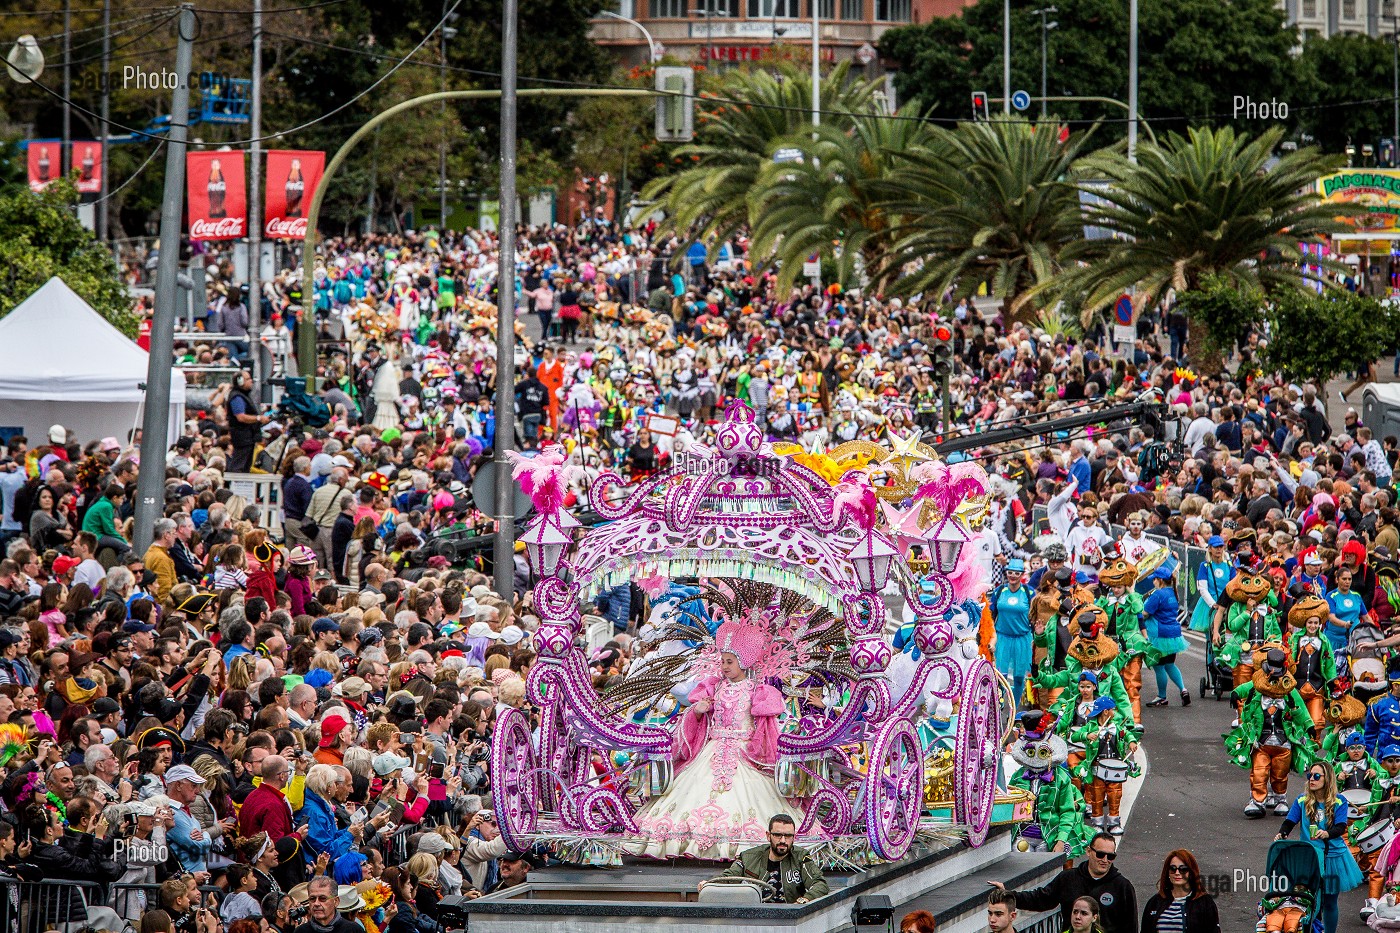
x: 140, y: 846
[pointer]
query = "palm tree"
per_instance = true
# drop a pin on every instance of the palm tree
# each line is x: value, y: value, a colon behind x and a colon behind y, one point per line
x: 831, y: 202
x: 708, y: 200
x: 985, y: 203
x: 1211, y: 203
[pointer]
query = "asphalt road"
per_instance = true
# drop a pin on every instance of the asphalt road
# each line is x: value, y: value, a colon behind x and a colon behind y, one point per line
x: 1193, y: 798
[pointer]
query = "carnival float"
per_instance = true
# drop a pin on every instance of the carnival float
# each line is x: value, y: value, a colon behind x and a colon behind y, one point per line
x: 811, y: 650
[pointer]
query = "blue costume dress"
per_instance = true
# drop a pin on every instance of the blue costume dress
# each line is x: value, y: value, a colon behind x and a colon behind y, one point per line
x: 1011, y: 610
x: 1216, y: 575
x: 1159, y: 611
x: 1339, y: 869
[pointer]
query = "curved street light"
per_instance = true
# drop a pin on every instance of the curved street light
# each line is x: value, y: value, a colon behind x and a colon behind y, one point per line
x: 655, y: 52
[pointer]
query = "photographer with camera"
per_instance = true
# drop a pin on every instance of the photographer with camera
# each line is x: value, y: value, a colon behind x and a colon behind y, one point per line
x: 139, y: 845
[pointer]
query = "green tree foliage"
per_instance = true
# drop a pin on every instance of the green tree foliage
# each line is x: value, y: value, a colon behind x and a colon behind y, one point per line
x: 736, y: 125
x: 1223, y: 310
x: 316, y: 58
x: 1345, y: 67
x: 986, y: 204
x: 1318, y: 337
x: 1195, y: 56
x: 40, y: 237
x: 1207, y: 203
x: 832, y: 202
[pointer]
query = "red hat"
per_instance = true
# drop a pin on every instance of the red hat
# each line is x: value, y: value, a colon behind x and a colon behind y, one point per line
x: 330, y: 728
x: 63, y: 564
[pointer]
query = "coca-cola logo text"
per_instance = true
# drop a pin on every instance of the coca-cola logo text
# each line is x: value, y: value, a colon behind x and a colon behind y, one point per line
x: 224, y: 227
x: 279, y: 227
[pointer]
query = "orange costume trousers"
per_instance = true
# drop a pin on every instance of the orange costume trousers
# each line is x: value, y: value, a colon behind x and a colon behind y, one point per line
x: 1100, y: 792
x: 1283, y: 920
x: 1269, y: 768
x: 1313, y: 699
x: 1132, y: 682
x: 1244, y: 673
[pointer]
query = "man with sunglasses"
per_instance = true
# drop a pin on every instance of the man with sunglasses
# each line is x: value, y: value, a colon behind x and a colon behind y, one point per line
x: 1095, y: 877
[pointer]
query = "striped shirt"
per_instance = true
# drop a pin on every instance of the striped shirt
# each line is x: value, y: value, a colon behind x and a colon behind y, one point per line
x: 1173, y: 918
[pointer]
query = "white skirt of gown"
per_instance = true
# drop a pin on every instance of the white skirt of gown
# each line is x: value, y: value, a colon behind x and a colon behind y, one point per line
x: 693, y: 820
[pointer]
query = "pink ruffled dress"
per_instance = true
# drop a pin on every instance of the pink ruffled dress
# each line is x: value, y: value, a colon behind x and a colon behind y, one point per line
x: 723, y: 793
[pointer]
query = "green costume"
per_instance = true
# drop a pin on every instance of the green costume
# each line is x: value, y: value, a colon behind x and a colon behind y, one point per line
x: 1110, y: 685
x: 1327, y: 660
x: 1059, y: 809
x: 1237, y: 629
x: 1125, y: 624
x: 1087, y: 735
x: 1297, y: 724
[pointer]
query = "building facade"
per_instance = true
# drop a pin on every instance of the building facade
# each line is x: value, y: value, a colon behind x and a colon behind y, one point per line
x: 732, y: 31
x: 1329, y: 17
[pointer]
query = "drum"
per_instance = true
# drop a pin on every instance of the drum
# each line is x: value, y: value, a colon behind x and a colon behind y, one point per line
x: 1374, y: 837
x: 1112, y: 770
x: 1356, y: 799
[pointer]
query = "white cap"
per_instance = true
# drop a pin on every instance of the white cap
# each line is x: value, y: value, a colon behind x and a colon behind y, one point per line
x: 58, y: 434
x: 183, y: 773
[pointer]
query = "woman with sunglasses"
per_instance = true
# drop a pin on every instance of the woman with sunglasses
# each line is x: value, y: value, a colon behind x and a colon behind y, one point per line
x: 1181, y: 904
x: 1321, y: 816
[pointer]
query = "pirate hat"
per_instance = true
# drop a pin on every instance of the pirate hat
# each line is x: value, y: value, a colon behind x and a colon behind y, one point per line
x: 264, y: 552
x: 157, y: 736
x: 196, y: 603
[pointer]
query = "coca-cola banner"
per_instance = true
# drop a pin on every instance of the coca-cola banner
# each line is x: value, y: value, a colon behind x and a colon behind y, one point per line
x: 292, y: 177
x: 218, y: 195
x: 45, y: 162
x: 87, y: 162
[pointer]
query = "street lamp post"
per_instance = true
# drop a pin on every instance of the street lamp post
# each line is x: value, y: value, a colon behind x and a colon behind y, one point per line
x: 816, y: 65
x: 1045, y: 28
x: 654, y: 52
x: 709, y: 14
x: 1132, y: 79
x: 1006, y: 58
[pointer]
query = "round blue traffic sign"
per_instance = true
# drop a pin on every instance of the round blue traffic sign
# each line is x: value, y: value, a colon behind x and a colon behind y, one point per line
x: 1020, y: 100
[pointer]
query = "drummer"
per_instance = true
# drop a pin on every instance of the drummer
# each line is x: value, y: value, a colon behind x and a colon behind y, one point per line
x: 1107, y: 763
x: 1070, y: 717
x: 1367, y: 833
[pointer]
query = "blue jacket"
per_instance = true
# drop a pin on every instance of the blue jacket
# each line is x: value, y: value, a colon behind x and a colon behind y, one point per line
x: 1382, y: 724
x: 296, y: 496
x: 192, y: 853
x: 323, y: 834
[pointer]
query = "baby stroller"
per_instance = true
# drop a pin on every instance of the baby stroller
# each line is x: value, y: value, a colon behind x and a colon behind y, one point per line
x: 1363, y: 659
x: 1218, y: 679
x: 1293, y: 868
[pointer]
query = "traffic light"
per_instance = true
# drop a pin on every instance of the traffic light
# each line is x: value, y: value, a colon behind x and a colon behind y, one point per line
x: 675, y: 104
x: 942, y: 350
x: 979, y: 106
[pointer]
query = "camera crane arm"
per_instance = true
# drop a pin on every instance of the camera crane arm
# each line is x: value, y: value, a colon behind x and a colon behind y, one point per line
x: 1147, y: 409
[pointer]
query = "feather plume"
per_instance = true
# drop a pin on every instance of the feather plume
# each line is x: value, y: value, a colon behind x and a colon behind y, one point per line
x: 544, y: 477
x: 968, y: 578
x: 856, y: 497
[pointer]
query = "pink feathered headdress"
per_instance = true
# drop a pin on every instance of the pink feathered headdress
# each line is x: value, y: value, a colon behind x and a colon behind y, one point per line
x: 544, y: 477
x: 744, y: 640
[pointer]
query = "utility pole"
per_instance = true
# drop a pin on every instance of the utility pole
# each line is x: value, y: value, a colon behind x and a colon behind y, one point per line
x: 150, y: 488
x: 102, y: 202
x: 255, y: 213
x: 504, y: 552
x: 442, y: 135
x: 1132, y: 79
x: 816, y: 66
x: 1045, y: 28
x: 1006, y: 57
x: 65, y: 157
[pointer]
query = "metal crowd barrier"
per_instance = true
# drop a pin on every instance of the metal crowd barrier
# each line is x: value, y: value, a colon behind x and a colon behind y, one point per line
x: 1189, y: 556
x: 71, y: 906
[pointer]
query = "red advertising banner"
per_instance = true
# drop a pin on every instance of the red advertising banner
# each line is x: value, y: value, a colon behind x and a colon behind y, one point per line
x: 218, y: 195
x: 87, y: 162
x: 45, y: 162
x: 292, y: 177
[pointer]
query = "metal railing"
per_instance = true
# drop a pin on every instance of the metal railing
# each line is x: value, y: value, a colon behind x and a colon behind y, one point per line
x: 71, y: 905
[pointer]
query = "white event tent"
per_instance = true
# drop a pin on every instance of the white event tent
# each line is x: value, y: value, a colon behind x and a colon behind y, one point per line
x: 62, y: 363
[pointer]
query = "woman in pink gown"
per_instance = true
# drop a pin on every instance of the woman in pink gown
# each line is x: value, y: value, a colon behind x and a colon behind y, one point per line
x: 726, y: 746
